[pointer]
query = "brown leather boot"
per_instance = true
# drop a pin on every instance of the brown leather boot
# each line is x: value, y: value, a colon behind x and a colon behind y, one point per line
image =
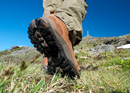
x: 45, y: 61
x: 47, y: 68
x: 56, y: 35
x: 44, y: 64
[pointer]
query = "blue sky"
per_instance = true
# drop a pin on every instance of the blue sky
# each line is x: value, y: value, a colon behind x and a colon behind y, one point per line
x: 104, y: 18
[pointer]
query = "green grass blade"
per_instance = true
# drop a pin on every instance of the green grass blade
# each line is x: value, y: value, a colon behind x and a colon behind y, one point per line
x: 39, y: 85
x: 1, y: 90
x: 3, y: 82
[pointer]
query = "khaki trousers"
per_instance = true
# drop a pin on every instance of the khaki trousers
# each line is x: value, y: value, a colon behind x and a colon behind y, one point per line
x: 71, y: 12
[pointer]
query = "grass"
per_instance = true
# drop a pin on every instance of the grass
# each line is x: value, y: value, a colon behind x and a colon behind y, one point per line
x: 110, y: 75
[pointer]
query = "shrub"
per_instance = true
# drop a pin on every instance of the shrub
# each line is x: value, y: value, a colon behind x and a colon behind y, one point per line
x: 125, y: 63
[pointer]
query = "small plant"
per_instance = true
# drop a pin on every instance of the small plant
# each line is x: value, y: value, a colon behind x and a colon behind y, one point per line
x: 23, y: 66
x: 125, y: 63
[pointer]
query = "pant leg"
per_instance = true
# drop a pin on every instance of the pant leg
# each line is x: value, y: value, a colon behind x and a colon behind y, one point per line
x: 50, y: 5
x: 72, y: 13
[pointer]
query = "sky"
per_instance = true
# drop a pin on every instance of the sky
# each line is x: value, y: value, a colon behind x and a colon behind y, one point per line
x: 105, y: 18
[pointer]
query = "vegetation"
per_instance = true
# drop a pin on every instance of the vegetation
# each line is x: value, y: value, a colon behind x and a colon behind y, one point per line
x: 108, y: 72
x: 125, y: 63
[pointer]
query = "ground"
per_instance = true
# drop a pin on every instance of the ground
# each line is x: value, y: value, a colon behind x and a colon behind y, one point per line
x: 109, y: 72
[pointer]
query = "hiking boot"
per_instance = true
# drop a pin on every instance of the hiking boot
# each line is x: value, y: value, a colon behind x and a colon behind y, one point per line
x: 44, y: 64
x: 54, y: 32
x: 46, y: 67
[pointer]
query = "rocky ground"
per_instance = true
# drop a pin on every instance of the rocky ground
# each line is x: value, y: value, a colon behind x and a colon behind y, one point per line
x: 90, y: 41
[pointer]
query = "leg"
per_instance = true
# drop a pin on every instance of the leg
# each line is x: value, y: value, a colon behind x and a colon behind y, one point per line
x: 56, y: 34
x: 72, y: 13
x: 49, y: 5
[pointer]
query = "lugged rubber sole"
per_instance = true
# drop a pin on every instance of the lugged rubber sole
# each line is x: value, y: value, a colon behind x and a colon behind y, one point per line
x: 45, y: 32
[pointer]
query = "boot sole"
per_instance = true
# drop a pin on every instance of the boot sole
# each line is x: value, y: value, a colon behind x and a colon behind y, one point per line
x: 37, y: 40
x: 46, y: 31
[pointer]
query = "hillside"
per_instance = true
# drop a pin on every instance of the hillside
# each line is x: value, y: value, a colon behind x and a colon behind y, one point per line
x: 104, y: 69
x: 90, y: 41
